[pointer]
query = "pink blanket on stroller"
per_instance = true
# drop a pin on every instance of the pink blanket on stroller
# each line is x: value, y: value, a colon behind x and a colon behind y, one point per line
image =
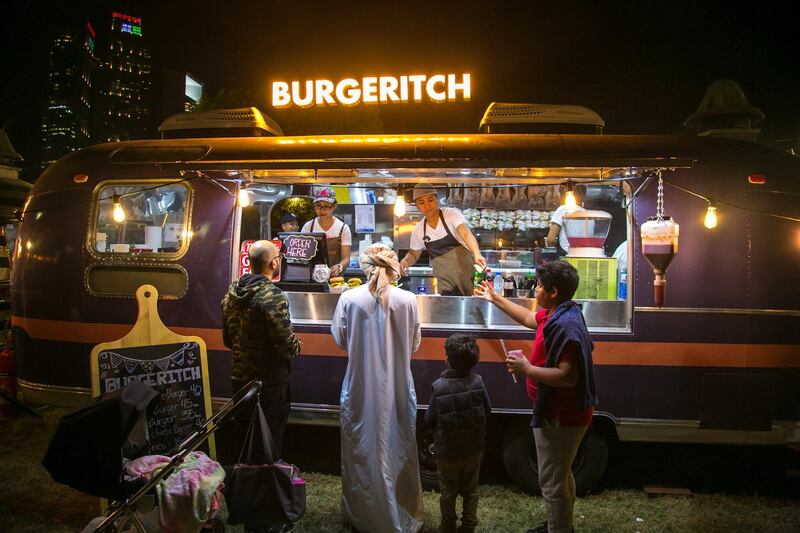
x: 189, y: 497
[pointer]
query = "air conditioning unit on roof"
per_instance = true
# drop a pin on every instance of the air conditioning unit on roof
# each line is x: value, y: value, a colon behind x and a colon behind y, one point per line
x: 540, y: 118
x: 243, y: 122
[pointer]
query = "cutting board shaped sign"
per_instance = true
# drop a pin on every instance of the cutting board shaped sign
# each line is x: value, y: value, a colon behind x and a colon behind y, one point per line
x: 175, y: 365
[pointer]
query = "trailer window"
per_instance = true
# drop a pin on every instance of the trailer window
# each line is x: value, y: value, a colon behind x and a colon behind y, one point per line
x: 155, y: 220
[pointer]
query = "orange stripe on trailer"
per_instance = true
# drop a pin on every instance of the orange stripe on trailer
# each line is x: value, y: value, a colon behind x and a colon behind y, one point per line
x: 686, y: 354
x: 697, y: 354
x: 678, y: 354
x: 430, y: 348
x: 95, y: 333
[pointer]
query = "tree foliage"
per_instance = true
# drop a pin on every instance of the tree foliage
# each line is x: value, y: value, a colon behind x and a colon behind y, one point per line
x: 226, y: 98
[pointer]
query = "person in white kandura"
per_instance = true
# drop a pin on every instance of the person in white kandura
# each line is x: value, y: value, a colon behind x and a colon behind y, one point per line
x: 378, y: 326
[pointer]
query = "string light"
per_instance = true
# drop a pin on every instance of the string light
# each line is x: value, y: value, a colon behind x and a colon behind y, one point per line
x: 119, y: 213
x: 400, y: 203
x: 711, y: 216
x: 244, y: 196
x: 569, y: 199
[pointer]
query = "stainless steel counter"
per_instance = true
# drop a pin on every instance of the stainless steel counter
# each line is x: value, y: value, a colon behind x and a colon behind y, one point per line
x: 457, y: 312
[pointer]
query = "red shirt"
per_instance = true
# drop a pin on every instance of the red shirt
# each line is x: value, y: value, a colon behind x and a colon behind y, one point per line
x: 564, y: 402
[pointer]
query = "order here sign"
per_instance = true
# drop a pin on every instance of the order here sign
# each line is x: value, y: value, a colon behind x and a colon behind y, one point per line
x: 372, y: 90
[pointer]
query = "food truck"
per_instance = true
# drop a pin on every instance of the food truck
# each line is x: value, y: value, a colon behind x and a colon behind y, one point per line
x: 717, y: 361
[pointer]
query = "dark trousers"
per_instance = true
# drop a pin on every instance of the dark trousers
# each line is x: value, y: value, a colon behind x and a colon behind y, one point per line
x: 275, y: 402
x: 459, y: 477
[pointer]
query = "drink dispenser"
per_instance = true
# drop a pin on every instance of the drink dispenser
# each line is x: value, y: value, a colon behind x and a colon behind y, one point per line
x: 659, y: 246
x: 586, y: 232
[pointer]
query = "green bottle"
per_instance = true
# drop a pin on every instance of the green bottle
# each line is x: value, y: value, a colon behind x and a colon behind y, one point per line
x: 477, y: 277
x: 529, y: 280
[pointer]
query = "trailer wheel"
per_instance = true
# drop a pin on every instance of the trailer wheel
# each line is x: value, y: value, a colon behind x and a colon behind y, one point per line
x: 519, y: 457
x: 427, y: 459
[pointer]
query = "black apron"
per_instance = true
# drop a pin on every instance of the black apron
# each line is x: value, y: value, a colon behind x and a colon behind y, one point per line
x: 452, y: 263
x: 334, y: 244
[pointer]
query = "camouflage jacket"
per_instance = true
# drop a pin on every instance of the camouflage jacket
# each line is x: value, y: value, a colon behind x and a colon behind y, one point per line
x: 257, y: 328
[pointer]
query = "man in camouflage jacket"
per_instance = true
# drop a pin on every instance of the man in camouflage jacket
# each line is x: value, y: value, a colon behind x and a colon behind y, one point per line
x: 257, y: 328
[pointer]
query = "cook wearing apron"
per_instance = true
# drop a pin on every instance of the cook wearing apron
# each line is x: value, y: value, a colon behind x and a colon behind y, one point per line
x: 337, y: 233
x: 452, y: 259
x: 557, y: 236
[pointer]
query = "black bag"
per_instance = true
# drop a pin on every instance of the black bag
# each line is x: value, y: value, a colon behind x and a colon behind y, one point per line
x: 263, y: 489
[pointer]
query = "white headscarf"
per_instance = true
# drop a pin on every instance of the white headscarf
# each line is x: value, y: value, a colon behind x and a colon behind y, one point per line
x: 381, y: 266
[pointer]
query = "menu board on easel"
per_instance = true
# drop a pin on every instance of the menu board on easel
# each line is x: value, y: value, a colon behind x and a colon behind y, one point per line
x: 175, y: 365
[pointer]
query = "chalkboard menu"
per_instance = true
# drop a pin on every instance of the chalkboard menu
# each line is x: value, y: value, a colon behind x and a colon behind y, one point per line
x: 300, y: 249
x: 174, y: 365
x: 175, y: 370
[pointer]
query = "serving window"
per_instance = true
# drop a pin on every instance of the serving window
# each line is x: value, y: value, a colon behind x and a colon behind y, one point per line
x: 140, y: 219
x: 511, y: 221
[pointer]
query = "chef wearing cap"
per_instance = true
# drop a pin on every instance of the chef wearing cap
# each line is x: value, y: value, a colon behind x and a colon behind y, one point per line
x: 337, y: 233
x: 451, y: 246
x: 289, y: 222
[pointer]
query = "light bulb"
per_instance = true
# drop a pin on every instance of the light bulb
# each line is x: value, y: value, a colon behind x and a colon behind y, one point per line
x: 711, y: 217
x: 119, y: 213
x: 399, y: 205
x: 244, y: 197
x: 569, y: 202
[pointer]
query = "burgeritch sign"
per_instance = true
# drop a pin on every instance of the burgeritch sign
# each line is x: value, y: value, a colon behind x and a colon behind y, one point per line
x: 372, y: 90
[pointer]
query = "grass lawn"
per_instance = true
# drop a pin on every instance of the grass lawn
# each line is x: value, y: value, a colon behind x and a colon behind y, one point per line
x: 31, y: 501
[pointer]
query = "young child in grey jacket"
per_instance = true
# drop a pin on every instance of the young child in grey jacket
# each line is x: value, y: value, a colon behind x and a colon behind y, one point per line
x: 458, y: 412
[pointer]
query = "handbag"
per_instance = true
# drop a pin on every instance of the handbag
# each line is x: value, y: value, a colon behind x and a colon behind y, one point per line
x: 262, y: 489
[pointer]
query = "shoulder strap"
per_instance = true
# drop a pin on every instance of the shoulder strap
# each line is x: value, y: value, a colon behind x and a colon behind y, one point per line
x: 248, y: 453
x: 444, y: 223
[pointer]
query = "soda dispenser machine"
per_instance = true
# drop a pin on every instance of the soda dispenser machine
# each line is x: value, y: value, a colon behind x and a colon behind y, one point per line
x: 586, y: 232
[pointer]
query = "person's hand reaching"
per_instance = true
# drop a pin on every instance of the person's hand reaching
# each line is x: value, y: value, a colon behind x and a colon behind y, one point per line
x: 486, y: 291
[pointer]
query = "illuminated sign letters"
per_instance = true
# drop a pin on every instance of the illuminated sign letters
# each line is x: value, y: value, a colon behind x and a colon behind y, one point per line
x: 371, y: 90
x: 130, y: 24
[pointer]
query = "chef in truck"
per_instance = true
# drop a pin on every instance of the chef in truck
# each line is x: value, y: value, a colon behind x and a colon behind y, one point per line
x: 451, y: 246
x: 337, y: 233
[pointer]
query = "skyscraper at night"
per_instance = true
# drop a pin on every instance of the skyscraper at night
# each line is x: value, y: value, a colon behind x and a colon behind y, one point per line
x: 99, y: 85
x: 124, y: 81
x: 66, y: 124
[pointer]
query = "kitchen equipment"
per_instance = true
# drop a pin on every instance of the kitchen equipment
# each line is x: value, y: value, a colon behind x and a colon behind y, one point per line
x: 598, y: 277
x: 586, y: 232
x: 152, y: 237
x: 659, y: 246
x: 510, y: 263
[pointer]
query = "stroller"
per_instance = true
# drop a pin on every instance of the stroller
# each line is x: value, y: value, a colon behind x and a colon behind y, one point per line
x: 78, y: 458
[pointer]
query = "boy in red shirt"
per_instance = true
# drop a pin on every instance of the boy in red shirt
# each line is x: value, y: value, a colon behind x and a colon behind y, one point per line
x: 560, y: 381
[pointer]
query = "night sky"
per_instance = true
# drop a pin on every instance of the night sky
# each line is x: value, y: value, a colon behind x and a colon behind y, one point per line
x: 643, y: 66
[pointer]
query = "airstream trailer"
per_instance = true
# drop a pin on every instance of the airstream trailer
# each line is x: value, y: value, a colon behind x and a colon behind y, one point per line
x: 719, y: 362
